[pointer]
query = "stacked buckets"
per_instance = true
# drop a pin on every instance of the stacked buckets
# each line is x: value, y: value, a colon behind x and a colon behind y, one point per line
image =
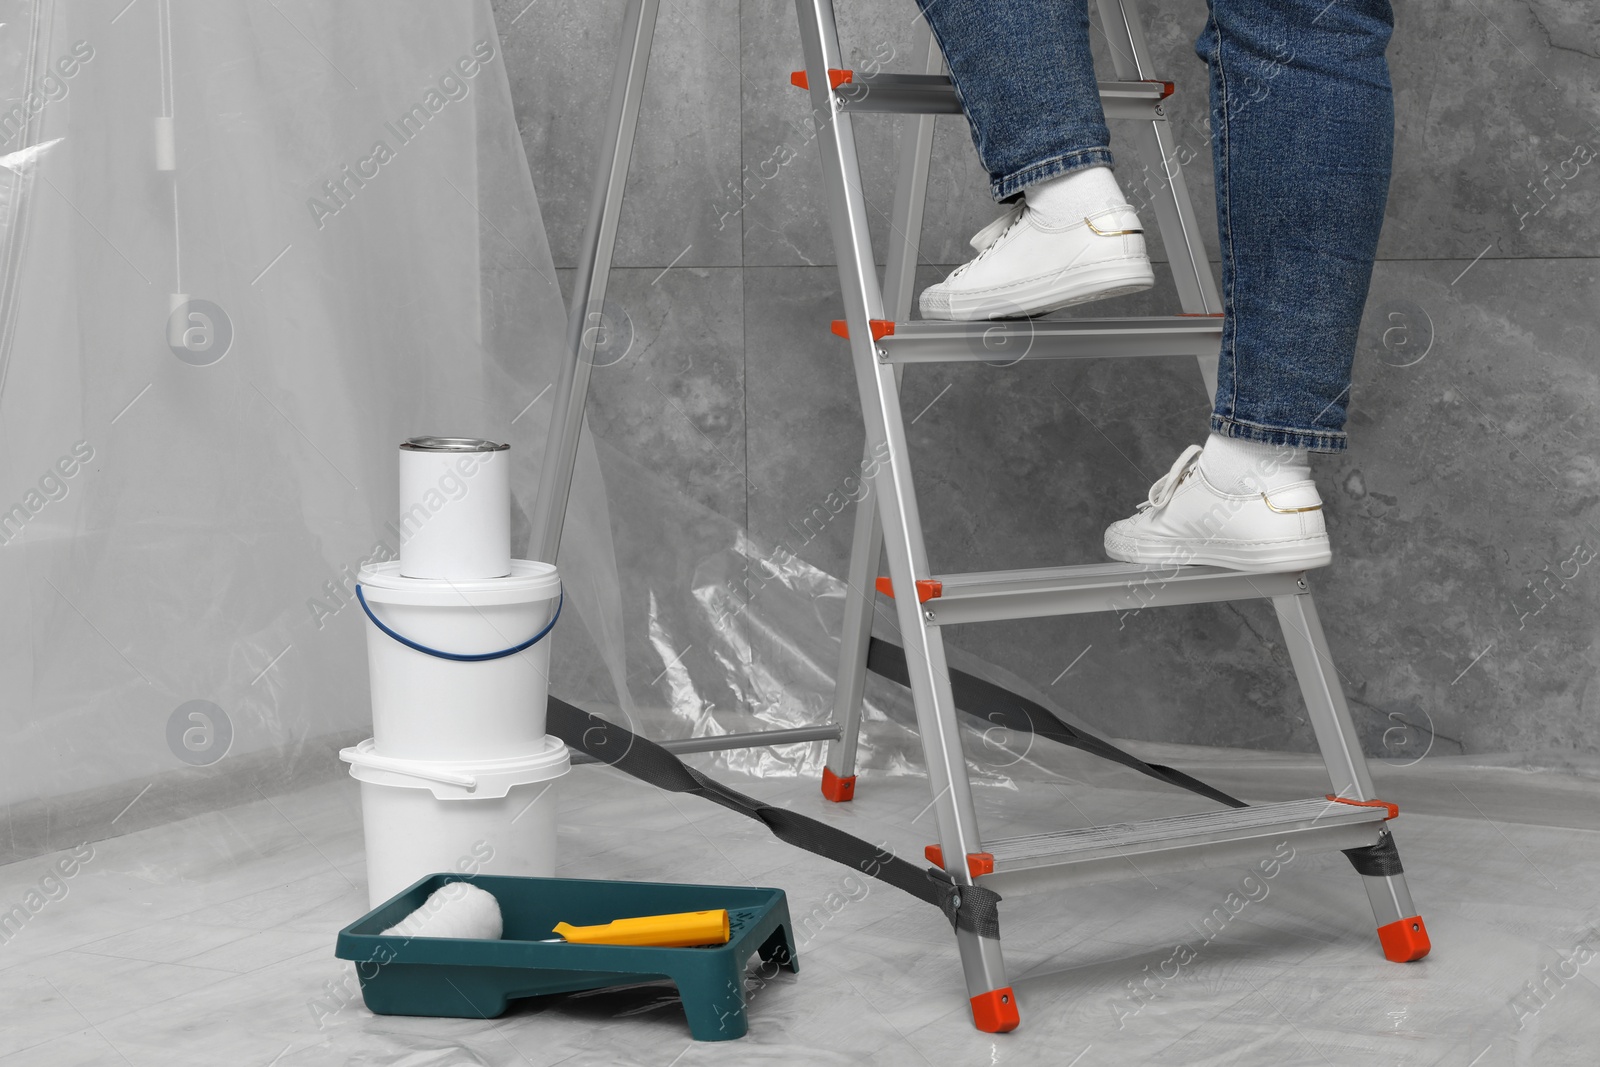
x: 458, y: 774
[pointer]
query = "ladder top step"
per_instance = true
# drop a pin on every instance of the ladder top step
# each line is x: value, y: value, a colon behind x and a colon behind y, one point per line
x: 1142, y: 89
x: 934, y: 93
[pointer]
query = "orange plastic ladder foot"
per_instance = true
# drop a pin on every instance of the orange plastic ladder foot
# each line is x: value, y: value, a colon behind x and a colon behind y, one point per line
x: 1404, y: 941
x: 837, y: 789
x: 995, y: 1012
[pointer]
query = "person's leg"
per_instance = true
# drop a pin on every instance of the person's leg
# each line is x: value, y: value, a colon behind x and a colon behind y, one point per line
x: 1302, y: 137
x: 1023, y: 72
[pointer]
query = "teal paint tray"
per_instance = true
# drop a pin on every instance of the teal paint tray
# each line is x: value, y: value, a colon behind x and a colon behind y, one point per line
x: 460, y: 978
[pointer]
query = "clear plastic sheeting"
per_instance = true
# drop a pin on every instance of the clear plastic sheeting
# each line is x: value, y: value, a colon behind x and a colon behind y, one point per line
x: 752, y: 643
x: 248, y: 249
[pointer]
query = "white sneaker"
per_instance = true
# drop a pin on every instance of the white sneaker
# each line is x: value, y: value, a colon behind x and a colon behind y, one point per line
x: 1026, y: 268
x: 1188, y: 520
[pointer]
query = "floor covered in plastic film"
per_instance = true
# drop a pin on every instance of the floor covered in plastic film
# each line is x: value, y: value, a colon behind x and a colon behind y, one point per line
x: 210, y: 941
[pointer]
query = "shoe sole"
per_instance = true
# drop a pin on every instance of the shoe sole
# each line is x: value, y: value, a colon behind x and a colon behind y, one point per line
x: 1290, y: 556
x: 1043, y: 295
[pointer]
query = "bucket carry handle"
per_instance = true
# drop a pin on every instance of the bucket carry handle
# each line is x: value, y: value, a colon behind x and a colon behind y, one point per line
x: 469, y: 782
x: 466, y: 657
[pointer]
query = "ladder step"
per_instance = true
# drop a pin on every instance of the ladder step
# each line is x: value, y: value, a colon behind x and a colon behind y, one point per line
x: 1184, y: 842
x: 1003, y: 342
x: 932, y: 94
x: 990, y: 596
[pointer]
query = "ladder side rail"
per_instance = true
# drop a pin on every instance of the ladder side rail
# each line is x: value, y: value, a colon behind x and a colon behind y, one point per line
x: 866, y: 542
x: 1336, y: 735
x: 911, y: 187
x: 850, y: 680
x: 863, y: 302
x: 584, y: 311
x: 1319, y: 685
x: 1157, y: 151
x: 982, y: 964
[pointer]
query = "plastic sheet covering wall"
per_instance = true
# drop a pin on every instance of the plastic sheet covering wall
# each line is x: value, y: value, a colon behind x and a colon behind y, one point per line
x: 726, y: 632
x: 214, y: 340
x: 248, y: 249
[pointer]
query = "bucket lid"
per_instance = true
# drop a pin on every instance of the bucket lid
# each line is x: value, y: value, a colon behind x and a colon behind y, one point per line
x: 529, y: 580
x: 487, y: 779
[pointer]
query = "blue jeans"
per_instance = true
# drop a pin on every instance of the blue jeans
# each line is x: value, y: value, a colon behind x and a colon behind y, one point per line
x: 1302, y: 134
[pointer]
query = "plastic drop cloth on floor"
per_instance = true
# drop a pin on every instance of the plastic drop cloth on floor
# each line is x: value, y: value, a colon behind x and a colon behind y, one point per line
x: 209, y: 940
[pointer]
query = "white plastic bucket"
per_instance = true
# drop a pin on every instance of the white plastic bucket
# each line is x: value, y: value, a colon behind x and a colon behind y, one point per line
x: 455, y: 508
x: 428, y: 708
x: 428, y: 816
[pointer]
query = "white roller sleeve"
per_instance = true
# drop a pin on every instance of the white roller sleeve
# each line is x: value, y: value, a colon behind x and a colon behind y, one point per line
x: 459, y: 909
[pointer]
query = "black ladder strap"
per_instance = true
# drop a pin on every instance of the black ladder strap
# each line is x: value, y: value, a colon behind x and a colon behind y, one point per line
x: 972, y: 907
x: 1001, y: 707
x: 967, y: 907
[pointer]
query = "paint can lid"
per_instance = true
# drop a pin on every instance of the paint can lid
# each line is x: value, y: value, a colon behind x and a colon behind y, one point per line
x: 450, y: 444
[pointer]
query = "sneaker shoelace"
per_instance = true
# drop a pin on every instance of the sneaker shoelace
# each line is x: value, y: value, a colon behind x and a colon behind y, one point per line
x: 985, y: 240
x: 1168, y: 483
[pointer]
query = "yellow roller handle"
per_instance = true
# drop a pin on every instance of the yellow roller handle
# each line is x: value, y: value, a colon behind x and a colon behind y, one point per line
x: 681, y: 930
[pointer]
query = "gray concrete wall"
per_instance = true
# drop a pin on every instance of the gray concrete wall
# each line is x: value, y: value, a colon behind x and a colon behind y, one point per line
x: 1462, y: 602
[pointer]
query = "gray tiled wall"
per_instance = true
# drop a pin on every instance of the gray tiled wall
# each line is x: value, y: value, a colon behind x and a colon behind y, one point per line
x: 1456, y: 606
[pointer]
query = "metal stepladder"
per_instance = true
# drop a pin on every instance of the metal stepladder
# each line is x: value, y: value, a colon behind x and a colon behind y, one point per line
x: 882, y: 342
x: 1348, y: 819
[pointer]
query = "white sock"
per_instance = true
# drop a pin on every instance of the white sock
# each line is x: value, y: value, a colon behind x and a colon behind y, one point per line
x: 1236, y: 465
x: 1068, y: 199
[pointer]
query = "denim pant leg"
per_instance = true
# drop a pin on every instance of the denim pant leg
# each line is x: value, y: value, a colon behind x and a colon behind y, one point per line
x: 1025, y: 78
x: 1302, y: 120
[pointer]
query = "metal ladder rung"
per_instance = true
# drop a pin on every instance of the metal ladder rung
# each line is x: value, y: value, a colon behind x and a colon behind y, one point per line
x: 989, y: 596
x: 1182, y: 842
x: 932, y: 94
x: 1007, y: 341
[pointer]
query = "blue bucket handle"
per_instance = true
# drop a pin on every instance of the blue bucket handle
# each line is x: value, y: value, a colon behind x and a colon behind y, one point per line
x: 465, y: 657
